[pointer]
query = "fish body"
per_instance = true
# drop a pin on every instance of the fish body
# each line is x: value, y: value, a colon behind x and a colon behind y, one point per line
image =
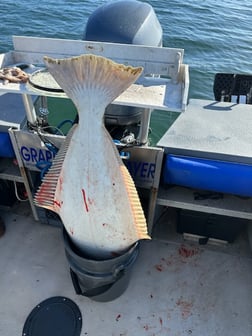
x: 88, y: 185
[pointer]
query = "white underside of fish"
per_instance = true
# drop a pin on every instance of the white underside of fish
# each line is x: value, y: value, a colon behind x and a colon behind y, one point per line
x: 88, y: 185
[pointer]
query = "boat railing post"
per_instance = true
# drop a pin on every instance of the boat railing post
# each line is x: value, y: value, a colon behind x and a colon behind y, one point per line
x: 29, y: 108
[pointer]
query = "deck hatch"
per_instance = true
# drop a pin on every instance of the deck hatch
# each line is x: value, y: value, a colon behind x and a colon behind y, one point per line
x: 56, y: 316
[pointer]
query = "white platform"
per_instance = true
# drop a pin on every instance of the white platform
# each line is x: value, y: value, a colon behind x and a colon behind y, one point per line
x: 151, y: 91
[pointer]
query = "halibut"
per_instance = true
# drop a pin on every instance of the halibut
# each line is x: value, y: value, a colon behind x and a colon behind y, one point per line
x: 88, y: 185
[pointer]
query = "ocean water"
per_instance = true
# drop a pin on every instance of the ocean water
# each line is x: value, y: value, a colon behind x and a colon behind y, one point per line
x: 216, y: 35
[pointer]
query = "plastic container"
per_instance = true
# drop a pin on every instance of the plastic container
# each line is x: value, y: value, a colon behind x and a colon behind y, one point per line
x: 206, y: 174
x: 100, y: 280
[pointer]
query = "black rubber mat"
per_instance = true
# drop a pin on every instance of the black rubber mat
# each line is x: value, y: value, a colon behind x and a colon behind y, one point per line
x: 56, y: 316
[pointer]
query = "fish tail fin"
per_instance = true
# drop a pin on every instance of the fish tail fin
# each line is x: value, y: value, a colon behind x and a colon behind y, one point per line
x: 137, y: 211
x: 91, y: 80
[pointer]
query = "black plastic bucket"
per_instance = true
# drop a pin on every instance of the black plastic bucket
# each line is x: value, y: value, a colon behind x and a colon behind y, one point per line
x: 100, y: 280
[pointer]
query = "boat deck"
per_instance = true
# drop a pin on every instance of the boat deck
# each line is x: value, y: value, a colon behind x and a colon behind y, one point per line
x: 177, y: 287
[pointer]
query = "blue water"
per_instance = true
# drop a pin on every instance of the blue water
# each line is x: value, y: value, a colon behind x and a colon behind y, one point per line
x: 216, y: 35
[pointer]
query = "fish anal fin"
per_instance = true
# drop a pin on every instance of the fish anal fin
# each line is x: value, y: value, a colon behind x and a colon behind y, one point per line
x: 137, y: 210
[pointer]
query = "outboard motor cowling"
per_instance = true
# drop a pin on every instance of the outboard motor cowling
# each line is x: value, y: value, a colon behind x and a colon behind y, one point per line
x: 125, y: 21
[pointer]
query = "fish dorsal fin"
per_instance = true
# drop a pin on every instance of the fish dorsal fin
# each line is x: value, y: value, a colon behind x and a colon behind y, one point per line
x: 44, y: 196
x: 100, y: 78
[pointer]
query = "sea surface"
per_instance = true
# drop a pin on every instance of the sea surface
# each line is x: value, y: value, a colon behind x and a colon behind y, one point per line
x: 215, y: 35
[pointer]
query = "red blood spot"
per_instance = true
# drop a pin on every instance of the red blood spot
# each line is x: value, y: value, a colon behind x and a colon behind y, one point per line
x: 118, y: 317
x: 160, y: 321
x: 57, y: 203
x: 85, y: 200
x: 185, y: 307
x: 187, y: 252
x: 71, y: 231
x: 159, y: 267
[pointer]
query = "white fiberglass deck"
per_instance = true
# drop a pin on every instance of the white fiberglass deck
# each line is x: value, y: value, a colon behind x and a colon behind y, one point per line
x: 176, y: 288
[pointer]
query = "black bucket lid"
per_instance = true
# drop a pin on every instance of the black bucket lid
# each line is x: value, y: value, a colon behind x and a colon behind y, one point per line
x: 56, y: 316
